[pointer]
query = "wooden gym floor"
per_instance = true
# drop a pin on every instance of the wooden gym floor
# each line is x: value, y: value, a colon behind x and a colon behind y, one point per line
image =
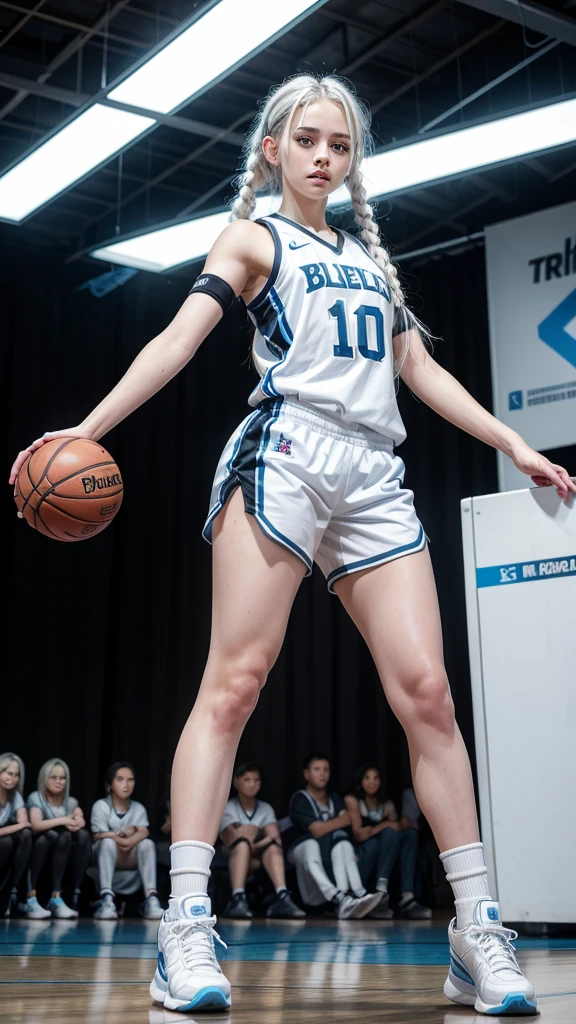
x: 312, y: 972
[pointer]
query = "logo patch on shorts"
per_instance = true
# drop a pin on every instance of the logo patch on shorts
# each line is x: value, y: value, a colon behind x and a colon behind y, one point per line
x: 283, y: 445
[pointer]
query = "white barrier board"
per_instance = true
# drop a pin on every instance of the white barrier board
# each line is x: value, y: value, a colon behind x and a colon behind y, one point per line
x: 520, y: 573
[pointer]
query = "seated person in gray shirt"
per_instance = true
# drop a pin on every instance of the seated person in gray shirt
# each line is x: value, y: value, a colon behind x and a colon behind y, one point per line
x: 125, y: 856
x: 322, y: 853
x: 59, y: 833
x: 15, y: 835
x: 251, y: 836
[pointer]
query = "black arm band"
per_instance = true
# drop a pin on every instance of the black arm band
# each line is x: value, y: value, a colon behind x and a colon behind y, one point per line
x: 213, y: 285
x: 399, y: 321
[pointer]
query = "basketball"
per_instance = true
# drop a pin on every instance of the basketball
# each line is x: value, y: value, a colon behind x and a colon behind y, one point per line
x: 70, y: 489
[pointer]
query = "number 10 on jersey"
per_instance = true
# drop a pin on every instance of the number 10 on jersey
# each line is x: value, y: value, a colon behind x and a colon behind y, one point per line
x: 362, y: 313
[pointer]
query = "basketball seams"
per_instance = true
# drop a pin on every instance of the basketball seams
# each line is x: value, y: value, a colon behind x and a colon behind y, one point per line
x: 83, y: 497
x: 65, y: 479
x: 52, y: 457
x: 45, y: 525
x: 78, y: 519
x: 38, y: 521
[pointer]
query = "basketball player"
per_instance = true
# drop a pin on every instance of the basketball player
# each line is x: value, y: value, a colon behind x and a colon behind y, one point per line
x: 311, y: 475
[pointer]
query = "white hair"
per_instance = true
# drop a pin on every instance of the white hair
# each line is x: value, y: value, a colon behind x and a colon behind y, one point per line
x: 260, y: 176
x: 43, y: 776
x: 9, y: 758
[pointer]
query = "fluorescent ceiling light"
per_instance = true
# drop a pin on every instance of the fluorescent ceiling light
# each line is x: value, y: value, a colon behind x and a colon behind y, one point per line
x: 392, y: 171
x: 494, y: 142
x: 227, y: 34
x: 163, y: 248
x: 212, y: 46
x: 82, y: 145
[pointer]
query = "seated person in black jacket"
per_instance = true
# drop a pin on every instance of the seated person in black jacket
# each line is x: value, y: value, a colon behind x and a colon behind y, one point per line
x: 322, y: 853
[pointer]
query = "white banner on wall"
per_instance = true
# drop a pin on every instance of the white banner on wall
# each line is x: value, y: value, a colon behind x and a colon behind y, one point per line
x: 531, y: 278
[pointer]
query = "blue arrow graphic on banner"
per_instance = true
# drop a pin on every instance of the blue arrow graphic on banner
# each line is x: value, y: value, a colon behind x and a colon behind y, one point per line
x: 553, y: 331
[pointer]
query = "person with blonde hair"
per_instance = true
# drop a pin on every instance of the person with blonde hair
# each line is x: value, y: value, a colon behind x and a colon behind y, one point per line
x: 311, y: 475
x: 15, y: 835
x: 59, y: 832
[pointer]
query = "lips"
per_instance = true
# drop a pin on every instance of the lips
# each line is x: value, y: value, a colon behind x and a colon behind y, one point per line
x: 320, y: 174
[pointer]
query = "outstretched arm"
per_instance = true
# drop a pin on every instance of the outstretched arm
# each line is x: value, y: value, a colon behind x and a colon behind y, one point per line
x: 442, y: 392
x: 239, y: 256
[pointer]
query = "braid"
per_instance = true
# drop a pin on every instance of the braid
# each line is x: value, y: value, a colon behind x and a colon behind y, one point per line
x: 364, y: 216
x: 244, y: 204
x: 370, y: 234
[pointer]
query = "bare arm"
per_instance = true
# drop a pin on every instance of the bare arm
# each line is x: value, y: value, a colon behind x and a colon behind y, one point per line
x: 271, y: 831
x: 322, y: 828
x: 106, y: 835
x: 242, y: 256
x: 40, y: 824
x: 363, y: 832
x: 8, y: 830
x: 442, y: 392
x: 140, y: 833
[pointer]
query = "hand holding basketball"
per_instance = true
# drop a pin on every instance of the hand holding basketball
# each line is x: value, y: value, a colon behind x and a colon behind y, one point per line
x: 48, y: 436
x: 67, y: 487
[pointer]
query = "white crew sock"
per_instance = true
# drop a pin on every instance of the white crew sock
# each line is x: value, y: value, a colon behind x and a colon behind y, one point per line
x: 190, y: 867
x: 467, y: 873
x: 382, y: 885
x: 236, y: 892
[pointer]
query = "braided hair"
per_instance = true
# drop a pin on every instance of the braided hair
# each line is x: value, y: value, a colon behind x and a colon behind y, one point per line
x: 259, y: 176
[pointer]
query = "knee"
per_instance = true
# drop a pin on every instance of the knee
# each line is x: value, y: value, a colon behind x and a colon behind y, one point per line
x: 7, y: 845
x: 47, y: 839
x: 146, y: 848
x: 24, y: 839
x: 346, y: 848
x: 82, y: 838
x: 427, y: 700
x: 109, y: 847
x: 234, y: 699
x: 64, y: 839
x: 311, y: 850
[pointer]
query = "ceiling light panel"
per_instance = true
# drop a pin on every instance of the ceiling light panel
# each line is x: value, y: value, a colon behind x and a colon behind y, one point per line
x: 212, y: 46
x: 227, y: 34
x: 81, y: 146
x: 392, y: 171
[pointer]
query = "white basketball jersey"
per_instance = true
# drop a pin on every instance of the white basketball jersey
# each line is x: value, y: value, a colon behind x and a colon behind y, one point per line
x: 324, y: 329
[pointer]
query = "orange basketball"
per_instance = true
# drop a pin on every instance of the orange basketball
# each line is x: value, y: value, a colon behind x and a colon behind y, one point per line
x: 69, y: 489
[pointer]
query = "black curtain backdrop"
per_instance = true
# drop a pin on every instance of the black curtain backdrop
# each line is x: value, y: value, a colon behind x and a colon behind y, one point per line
x: 106, y: 640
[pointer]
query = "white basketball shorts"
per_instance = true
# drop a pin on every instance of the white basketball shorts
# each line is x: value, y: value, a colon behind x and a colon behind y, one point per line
x: 330, y: 493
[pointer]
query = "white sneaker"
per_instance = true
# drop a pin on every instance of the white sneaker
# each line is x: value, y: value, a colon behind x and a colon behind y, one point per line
x: 188, y: 975
x: 106, y: 909
x: 484, y: 972
x: 358, y: 906
x: 58, y: 908
x: 32, y: 909
x: 152, y: 908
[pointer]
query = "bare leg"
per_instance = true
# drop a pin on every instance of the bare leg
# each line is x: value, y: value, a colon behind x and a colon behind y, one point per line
x: 254, y: 584
x: 396, y: 609
x: 273, y: 859
x: 240, y: 857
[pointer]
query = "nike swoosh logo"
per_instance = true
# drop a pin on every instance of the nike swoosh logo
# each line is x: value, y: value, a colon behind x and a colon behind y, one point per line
x: 293, y: 245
